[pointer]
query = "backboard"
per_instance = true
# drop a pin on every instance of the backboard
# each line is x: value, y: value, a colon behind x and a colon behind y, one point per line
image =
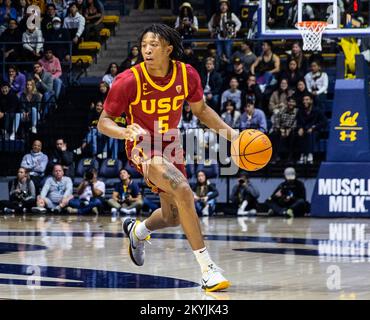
x: 277, y: 18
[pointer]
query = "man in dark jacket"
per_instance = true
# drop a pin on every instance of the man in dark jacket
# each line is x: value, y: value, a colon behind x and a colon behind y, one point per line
x: 289, y: 198
x: 60, y: 155
x: 10, y: 111
x: 12, y: 51
x: 244, y: 196
x: 212, y: 84
x: 252, y: 92
x: 239, y: 73
x: 57, y: 33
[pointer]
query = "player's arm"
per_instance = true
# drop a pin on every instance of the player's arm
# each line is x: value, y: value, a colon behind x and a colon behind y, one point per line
x: 212, y: 120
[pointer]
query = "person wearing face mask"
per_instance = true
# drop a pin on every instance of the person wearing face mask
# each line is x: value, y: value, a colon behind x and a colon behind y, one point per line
x: 47, y: 21
x: 12, y: 34
x: 57, y: 33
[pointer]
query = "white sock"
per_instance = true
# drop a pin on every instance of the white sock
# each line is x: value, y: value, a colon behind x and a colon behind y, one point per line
x: 131, y: 211
x: 203, y: 258
x: 142, y: 231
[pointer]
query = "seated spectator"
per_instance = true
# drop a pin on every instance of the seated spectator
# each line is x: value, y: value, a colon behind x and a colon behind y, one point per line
x: 233, y: 94
x: 44, y: 85
x: 21, y: 8
x: 110, y: 74
x: 253, y: 118
x: 190, y: 58
x: 10, y: 111
x: 61, y: 6
x: 246, y: 54
x: 283, y: 132
x: 239, y: 73
x: 93, y: 20
x: 212, y: 83
x: 205, y: 194
x: 33, y: 43
x: 231, y: 116
x: 47, y: 21
x: 60, y: 155
x: 252, y: 92
x: 31, y: 105
x: 74, y: 22
x: 100, y: 95
x: 56, y: 192
x: 300, y: 92
x: 12, y: 51
x: 35, y: 162
x: 298, y: 55
x: 317, y: 83
x: 186, y: 23
x: 126, y: 197
x: 57, y: 33
x: 244, y: 196
x: 267, y: 66
x: 278, y: 99
x: 51, y: 64
x: 22, y: 194
x: 310, y: 121
x: 224, y: 26
x: 188, y: 120
x: 289, y: 198
x: 292, y: 74
x: 16, y: 79
x: 90, y: 195
x: 7, y: 12
x: 131, y: 60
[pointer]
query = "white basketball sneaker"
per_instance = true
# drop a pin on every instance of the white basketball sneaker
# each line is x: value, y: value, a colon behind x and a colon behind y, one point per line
x: 137, y: 247
x: 213, y: 280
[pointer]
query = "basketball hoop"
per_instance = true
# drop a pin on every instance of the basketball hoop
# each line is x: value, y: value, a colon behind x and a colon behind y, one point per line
x: 311, y: 32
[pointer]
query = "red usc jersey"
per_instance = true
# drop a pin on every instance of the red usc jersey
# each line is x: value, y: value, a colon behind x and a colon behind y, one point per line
x: 153, y: 103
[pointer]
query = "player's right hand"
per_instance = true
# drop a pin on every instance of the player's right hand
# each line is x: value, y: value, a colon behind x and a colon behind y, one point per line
x: 132, y: 131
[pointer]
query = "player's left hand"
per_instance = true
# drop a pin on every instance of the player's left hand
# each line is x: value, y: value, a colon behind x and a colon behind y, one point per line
x: 132, y: 131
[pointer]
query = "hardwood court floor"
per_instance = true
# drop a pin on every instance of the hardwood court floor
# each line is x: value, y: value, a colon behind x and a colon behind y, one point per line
x: 264, y: 258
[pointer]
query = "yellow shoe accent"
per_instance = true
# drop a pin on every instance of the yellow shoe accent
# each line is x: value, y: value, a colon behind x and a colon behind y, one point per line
x: 218, y: 287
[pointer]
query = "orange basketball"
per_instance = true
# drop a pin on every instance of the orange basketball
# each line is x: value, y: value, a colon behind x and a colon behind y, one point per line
x: 252, y: 150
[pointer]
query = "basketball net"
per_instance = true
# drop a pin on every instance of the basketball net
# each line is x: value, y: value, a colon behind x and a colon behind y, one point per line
x: 311, y: 32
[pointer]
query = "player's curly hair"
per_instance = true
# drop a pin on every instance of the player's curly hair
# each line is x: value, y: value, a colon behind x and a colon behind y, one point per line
x: 168, y: 34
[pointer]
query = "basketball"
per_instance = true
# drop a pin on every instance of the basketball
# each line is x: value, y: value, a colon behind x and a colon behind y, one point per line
x: 252, y: 150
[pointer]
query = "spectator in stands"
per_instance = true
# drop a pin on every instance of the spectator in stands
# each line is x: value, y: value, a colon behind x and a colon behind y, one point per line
x: 224, y: 25
x: 31, y: 104
x: 252, y: 92
x: 7, y: 12
x: 300, y: 92
x: 60, y: 155
x: 190, y: 58
x: 61, y: 6
x: 131, y: 60
x: 51, y: 64
x: 246, y: 54
x: 57, y: 33
x: 239, y: 73
x: 56, y: 192
x: 283, y: 132
x: 186, y: 23
x: 298, y: 55
x: 231, y: 116
x: 233, y: 94
x: 101, y: 94
x: 212, y: 83
x: 253, y: 118
x: 22, y: 194
x: 21, y: 8
x: 188, y: 120
x: 289, y: 198
x: 44, y: 85
x: 308, y: 14
x: 267, y: 66
x: 90, y: 195
x: 279, y: 98
x: 39, y: 3
x: 310, y: 121
x: 205, y: 194
x: 111, y: 73
x: 292, y: 74
x: 244, y: 196
x: 47, y: 21
x: 212, y: 53
x: 126, y: 197
x: 94, y: 20
x: 35, y: 162
x: 12, y: 51
x: 33, y: 43
x: 74, y: 22
x: 10, y: 110
x: 317, y: 83
x: 16, y: 79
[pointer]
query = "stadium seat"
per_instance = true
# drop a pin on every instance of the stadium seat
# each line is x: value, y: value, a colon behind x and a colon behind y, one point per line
x: 109, y: 171
x: 190, y: 170
x: 111, y: 22
x: 133, y: 173
x: 90, y: 47
x: 88, y: 60
x: 83, y: 165
x: 104, y: 35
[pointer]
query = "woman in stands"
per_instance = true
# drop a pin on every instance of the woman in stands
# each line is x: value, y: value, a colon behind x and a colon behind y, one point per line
x: 111, y: 73
x: 292, y: 74
x: 31, y: 104
x: 94, y: 20
x: 131, y: 60
x: 205, y: 194
x: 186, y: 23
x: 317, y: 83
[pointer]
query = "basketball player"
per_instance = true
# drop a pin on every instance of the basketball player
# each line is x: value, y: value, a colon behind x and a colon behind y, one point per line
x: 151, y: 94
